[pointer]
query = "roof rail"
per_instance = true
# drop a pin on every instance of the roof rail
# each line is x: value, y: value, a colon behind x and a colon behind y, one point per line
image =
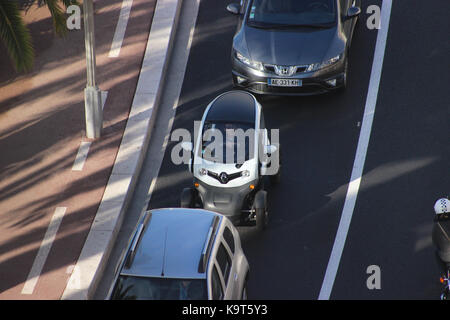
x: 137, y: 237
x: 208, y: 245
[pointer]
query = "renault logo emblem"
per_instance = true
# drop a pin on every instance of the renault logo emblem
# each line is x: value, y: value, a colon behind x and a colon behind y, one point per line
x: 223, y: 178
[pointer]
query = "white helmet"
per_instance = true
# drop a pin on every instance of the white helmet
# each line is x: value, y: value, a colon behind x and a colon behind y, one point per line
x: 442, y: 206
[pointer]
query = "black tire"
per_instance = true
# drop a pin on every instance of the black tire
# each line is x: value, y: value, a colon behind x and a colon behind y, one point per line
x: 261, y: 212
x: 187, y: 198
x: 261, y: 219
x: 344, y: 85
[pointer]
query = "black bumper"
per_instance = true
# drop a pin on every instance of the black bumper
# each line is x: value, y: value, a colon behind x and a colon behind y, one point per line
x: 312, y: 84
x: 227, y: 201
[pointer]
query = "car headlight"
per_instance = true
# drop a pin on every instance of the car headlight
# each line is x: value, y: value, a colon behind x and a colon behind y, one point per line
x: 245, y: 173
x: 252, y: 64
x: 203, y: 172
x: 324, y: 64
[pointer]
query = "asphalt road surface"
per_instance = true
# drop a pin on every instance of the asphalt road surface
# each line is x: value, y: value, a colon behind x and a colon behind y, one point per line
x: 406, y: 167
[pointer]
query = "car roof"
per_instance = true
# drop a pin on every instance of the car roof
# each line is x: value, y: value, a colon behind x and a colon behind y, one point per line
x: 172, y: 244
x: 233, y: 106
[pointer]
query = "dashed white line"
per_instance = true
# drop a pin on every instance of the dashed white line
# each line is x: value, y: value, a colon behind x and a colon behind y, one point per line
x: 120, y: 29
x: 44, y: 249
x: 355, y: 180
x: 81, y: 157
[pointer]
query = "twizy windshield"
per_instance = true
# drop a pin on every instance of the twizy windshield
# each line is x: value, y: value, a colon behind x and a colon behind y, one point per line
x: 140, y: 288
x: 224, y: 142
x: 292, y: 13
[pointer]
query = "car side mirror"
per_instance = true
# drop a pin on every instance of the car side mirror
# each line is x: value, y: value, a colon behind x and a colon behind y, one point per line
x: 234, y: 8
x: 353, y: 12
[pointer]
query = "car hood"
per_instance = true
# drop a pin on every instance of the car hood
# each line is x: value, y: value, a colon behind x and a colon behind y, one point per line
x: 296, y: 47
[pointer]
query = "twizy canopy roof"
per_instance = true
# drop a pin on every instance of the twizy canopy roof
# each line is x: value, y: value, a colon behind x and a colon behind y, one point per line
x: 233, y: 106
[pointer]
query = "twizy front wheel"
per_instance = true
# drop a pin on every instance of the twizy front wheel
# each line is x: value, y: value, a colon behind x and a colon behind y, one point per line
x: 188, y: 198
x: 261, y: 212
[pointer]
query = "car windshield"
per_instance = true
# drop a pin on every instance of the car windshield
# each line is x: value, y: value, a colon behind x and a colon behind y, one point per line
x: 292, y: 13
x: 142, y: 288
x: 227, y: 142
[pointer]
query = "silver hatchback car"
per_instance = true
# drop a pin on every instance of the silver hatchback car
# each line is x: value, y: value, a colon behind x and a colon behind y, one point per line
x: 182, y: 254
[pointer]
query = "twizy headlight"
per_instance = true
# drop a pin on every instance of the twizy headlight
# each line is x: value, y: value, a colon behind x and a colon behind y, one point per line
x: 245, y: 173
x: 252, y: 64
x: 324, y: 64
x: 203, y: 172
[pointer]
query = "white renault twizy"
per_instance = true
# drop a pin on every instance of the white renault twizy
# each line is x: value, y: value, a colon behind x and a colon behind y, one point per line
x: 230, y: 160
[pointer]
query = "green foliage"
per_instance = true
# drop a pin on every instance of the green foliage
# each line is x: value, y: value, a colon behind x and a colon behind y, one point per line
x: 15, y: 34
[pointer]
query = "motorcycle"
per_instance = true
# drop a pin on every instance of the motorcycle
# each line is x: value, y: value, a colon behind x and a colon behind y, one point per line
x: 441, y: 236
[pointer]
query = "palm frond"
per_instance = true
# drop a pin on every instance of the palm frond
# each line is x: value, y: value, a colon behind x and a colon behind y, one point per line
x: 68, y: 3
x: 56, y: 11
x: 15, y: 35
x: 58, y: 16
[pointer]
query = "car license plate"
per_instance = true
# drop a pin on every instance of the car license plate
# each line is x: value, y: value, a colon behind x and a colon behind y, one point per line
x: 285, y: 82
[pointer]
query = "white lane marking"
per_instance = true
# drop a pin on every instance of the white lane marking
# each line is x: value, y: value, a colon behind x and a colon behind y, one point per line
x: 83, y: 150
x: 82, y: 154
x: 44, y: 249
x: 120, y: 29
x: 361, y: 151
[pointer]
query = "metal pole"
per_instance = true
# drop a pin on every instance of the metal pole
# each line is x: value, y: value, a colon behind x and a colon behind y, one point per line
x: 92, y: 94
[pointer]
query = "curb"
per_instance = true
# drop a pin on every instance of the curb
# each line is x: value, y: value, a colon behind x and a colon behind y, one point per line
x: 119, y: 190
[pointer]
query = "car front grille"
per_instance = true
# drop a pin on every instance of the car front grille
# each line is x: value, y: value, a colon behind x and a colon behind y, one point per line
x: 271, y: 69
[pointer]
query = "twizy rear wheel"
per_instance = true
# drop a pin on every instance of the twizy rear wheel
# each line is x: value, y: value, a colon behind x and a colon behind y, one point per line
x: 188, y: 197
x: 261, y: 212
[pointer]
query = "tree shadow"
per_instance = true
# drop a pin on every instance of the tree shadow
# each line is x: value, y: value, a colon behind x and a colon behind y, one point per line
x: 41, y: 126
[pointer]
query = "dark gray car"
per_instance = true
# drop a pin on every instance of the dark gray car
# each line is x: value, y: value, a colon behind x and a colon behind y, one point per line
x: 292, y: 47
